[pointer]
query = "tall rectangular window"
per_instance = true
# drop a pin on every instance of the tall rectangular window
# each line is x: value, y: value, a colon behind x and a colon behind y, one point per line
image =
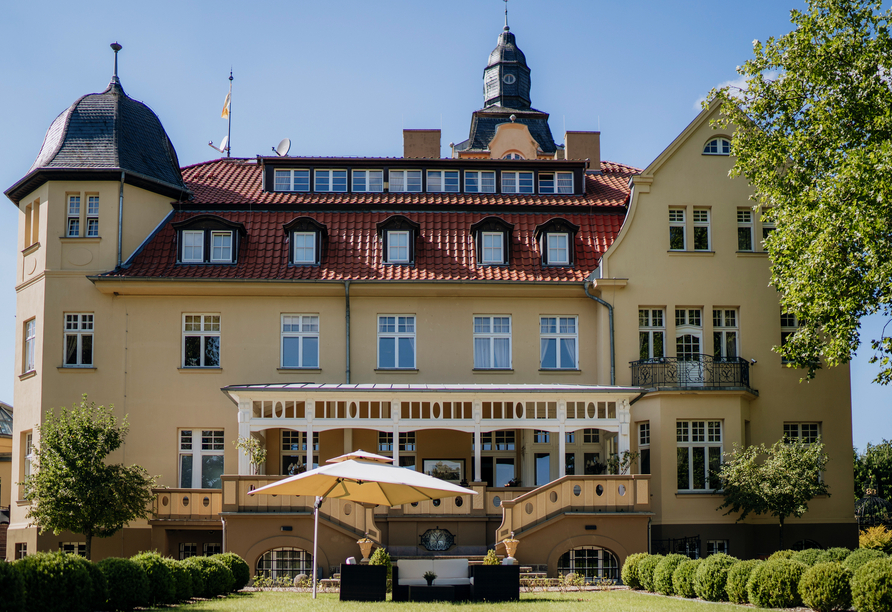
x: 93, y: 216
x: 651, y: 333
x: 557, y: 343
x: 405, y: 181
x: 699, y: 449
x: 201, y: 341
x: 442, y: 181
x: 701, y: 229
x: 331, y: 181
x: 74, y: 216
x: 555, y: 182
x: 644, y: 447
x: 300, y: 341
x: 492, y: 252
x: 558, y: 245
x: 396, y: 342
x: 744, y: 229
x: 29, y: 345
x: 193, y: 245
x: 221, y: 247
x: 292, y: 180
x: 368, y: 181
x: 27, y: 455
x: 305, y: 247
x: 789, y: 325
x: 398, y: 246
x: 677, y: 240
x: 767, y: 228
x: 724, y: 333
x: 21, y: 550
x: 78, y: 339
x: 492, y: 343
x: 201, y: 458
x: 478, y: 181
x: 517, y: 182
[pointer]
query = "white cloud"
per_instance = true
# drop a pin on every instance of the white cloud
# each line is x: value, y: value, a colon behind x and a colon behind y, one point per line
x: 738, y: 83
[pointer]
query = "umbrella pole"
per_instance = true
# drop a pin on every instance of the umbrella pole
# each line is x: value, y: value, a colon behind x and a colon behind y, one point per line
x: 315, y: 539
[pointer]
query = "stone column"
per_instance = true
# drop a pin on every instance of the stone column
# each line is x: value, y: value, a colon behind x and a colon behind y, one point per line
x: 623, y: 442
x: 310, y: 413
x: 478, y: 463
x: 244, y: 431
x: 562, y: 439
x: 395, y: 413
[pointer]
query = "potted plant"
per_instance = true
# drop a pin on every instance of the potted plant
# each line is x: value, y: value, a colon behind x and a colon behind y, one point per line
x: 365, y: 546
x: 254, y: 450
x: 429, y: 576
x: 511, y: 545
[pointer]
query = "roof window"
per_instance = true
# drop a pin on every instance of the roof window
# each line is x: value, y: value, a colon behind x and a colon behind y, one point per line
x: 307, y: 238
x: 208, y: 239
x: 492, y: 238
x: 398, y: 234
x: 556, y: 242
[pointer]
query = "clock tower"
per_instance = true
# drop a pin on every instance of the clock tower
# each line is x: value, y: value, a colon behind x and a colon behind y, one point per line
x: 506, y: 79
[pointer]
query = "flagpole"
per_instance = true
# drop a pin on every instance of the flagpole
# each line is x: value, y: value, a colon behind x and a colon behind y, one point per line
x: 229, y: 130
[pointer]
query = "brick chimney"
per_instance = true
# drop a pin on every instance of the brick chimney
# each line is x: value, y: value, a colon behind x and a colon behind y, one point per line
x: 421, y: 143
x: 584, y: 145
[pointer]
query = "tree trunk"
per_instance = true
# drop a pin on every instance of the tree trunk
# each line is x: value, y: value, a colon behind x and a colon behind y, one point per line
x: 89, y: 537
x: 781, y: 532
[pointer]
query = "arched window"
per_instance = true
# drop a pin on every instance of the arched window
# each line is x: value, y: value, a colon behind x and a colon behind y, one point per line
x: 591, y: 562
x: 717, y: 146
x: 513, y: 155
x: 285, y: 563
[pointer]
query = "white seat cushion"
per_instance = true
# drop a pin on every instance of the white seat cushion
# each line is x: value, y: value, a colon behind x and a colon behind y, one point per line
x: 451, y: 581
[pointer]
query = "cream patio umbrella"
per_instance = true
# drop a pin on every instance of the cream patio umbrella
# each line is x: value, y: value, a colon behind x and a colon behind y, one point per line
x: 363, y: 478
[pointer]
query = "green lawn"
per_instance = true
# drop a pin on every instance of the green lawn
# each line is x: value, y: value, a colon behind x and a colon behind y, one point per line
x: 612, y: 601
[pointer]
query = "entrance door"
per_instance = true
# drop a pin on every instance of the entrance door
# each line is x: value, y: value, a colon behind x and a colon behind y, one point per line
x: 690, y: 364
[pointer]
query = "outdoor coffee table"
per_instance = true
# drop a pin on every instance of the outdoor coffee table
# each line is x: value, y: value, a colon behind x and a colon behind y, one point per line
x: 431, y: 593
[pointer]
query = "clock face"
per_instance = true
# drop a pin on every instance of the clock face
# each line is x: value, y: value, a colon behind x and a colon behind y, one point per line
x: 508, y: 79
x: 437, y: 539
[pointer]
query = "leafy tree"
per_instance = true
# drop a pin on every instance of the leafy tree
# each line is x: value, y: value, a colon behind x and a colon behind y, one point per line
x: 813, y: 135
x: 873, y: 468
x: 72, y: 487
x: 779, y: 480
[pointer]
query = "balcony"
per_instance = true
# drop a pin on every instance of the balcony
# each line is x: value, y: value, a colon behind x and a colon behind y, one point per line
x: 695, y: 372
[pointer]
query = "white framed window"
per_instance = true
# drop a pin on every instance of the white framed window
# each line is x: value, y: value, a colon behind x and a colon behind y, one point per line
x: 651, y: 333
x: 570, y: 437
x: 78, y: 339
x: 300, y: 341
x: 807, y: 433
x: 188, y: 549
x: 558, y: 346
x: 221, y: 246
x: 74, y: 216
x: 688, y: 317
x: 699, y: 448
x: 644, y: 447
x: 398, y: 246
x: 493, y: 251
x: 492, y: 342
x: 517, y: 182
x: 284, y: 563
x: 591, y: 436
x: 541, y: 437
x: 443, y: 181
x: 557, y: 249
x: 396, y: 341
x: 767, y: 228
x: 702, y: 241
x: 296, y: 458
x: 201, y: 341
x: 407, y: 441
x: 74, y: 548
x: 212, y: 548
x: 29, y: 345
x: 480, y: 181
x: 305, y: 247
x: 677, y: 240
x: 511, y: 155
x: 501, y: 440
x: 28, y: 455
x: 334, y: 181
x: 292, y: 180
x: 201, y: 458
x: 644, y: 434
x: 714, y: 547
x: 193, y: 245
x: 789, y: 326
x: 21, y: 550
x: 590, y: 562
x: 92, y: 216
x: 555, y: 182
x: 725, y: 333
x: 297, y: 440
x: 405, y: 181
x: 744, y: 229
x: 717, y: 146
x: 368, y: 181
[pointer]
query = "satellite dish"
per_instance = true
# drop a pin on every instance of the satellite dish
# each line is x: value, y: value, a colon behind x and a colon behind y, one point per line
x: 224, y: 144
x: 283, y: 147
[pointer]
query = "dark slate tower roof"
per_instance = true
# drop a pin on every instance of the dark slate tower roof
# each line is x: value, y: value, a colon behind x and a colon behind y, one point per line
x: 100, y: 135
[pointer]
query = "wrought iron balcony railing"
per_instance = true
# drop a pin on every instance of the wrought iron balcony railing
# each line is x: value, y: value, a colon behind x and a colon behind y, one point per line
x: 696, y: 371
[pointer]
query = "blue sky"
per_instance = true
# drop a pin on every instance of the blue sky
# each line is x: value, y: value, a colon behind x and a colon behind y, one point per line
x: 344, y: 77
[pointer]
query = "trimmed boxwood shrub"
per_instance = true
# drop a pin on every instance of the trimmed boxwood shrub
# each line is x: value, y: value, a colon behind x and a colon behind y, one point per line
x: 834, y: 555
x: 683, y: 578
x: 861, y: 556
x: 825, y: 587
x: 217, y: 578
x: 738, y: 575
x: 162, y: 584
x: 99, y: 586
x: 663, y: 573
x: 12, y: 588
x: 55, y: 581
x: 872, y: 586
x: 128, y: 584
x: 782, y: 554
x: 182, y: 578
x: 809, y: 556
x: 629, y: 574
x: 197, y: 575
x: 646, y: 569
x: 775, y: 584
x: 240, y: 570
x: 711, y: 576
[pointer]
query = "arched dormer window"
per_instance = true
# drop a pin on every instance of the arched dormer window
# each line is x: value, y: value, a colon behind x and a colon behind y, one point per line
x: 717, y: 146
x: 492, y: 240
x: 556, y: 239
x: 398, y: 234
x: 512, y: 155
x: 208, y: 239
x: 306, y: 238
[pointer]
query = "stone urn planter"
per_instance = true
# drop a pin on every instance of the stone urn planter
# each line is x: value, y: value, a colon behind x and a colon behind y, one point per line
x: 365, y: 546
x: 511, y: 547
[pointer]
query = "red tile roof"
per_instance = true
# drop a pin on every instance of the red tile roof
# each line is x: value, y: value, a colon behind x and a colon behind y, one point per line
x: 444, y: 249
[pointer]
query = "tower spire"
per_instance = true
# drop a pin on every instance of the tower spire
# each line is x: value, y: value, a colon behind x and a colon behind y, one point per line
x: 506, y: 16
x: 115, y: 47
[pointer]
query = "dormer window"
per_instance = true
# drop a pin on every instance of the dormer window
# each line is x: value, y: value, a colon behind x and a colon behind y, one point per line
x: 442, y: 181
x: 306, y: 236
x: 493, y: 239
x: 717, y: 146
x: 480, y: 181
x: 368, y: 181
x: 334, y: 181
x: 292, y: 180
x: 398, y: 235
x: 555, y: 182
x: 405, y: 181
x: 556, y: 242
x: 517, y: 182
x: 208, y: 239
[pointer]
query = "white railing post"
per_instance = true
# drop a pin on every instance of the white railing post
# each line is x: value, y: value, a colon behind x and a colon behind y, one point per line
x: 478, y: 463
x: 244, y: 431
x: 623, y: 441
x: 396, y: 411
x: 310, y: 413
x: 562, y: 438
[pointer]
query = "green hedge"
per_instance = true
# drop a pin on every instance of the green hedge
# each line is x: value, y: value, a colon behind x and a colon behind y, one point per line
x: 711, y: 576
x: 782, y: 554
x: 98, y: 583
x: 162, y: 584
x: 629, y: 574
x: 738, y: 575
x: 12, y: 589
x: 872, y: 586
x: 55, y: 581
x: 683, y: 578
x: 861, y: 556
x: 663, y: 573
x: 825, y: 587
x: 217, y: 578
x: 834, y: 555
x: 646, y: 568
x: 809, y: 556
x: 128, y: 584
x: 182, y: 578
x: 775, y: 584
x: 240, y: 570
x: 196, y: 573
